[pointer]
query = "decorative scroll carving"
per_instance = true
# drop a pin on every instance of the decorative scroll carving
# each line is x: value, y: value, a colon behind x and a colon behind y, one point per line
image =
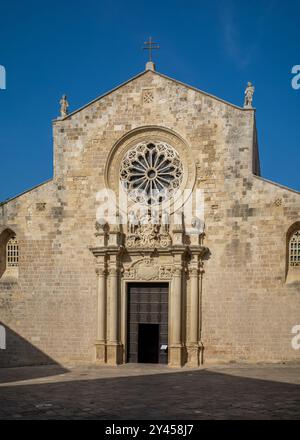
x: 146, y: 270
x: 165, y: 272
x: 129, y: 273
x: 101, y: 227
x: 146, y: 234
x: 143, y: 269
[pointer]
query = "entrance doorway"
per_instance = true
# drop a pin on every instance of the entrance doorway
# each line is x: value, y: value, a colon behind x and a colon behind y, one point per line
x: 147, y: 323
x: 148, y: 344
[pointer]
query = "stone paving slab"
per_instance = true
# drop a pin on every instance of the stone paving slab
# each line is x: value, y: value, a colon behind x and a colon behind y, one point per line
x: 146, y: 392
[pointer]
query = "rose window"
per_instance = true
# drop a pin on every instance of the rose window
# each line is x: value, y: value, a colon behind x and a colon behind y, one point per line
x: 151, y: 173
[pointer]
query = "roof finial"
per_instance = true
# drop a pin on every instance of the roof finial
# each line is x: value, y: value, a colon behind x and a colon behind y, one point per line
x: 150, y: 46
x: 64, y: 105
x: 249, y: 92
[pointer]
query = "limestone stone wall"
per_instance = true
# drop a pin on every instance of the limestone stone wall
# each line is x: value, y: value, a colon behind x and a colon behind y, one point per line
x: 244, y: 286
x: 248, y: 310
x: 49, y: 310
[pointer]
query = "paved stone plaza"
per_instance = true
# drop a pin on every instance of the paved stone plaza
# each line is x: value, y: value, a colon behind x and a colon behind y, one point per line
x: 151, y: 392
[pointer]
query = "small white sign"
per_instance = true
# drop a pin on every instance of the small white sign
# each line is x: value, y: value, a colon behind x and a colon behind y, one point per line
x: 2, y: 338
x: 164, y: 347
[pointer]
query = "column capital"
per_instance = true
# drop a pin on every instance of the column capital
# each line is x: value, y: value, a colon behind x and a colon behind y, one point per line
x: 114, y: 266
x: 101, y: 271
x: 100, y: 267
x: 177, y: 271
x: 113, y: 271
x: 194, y: 271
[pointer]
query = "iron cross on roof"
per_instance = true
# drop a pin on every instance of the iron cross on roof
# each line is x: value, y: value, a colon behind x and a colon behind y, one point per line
x: 150, y: 45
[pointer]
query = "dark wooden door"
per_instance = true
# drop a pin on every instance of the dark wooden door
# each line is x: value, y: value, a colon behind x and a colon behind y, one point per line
x: 147, y: 332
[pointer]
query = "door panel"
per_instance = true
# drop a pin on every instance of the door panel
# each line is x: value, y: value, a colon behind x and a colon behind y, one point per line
x: 147, y: 330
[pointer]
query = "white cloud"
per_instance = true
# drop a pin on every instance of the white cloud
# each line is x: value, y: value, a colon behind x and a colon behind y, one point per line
x: 242, y: 44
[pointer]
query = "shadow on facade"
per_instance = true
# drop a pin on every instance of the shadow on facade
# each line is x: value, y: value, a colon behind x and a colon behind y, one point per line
x: 21, y: 353
x: 191, y: 395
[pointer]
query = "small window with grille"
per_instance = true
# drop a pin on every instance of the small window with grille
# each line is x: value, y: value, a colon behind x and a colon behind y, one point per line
x: 12, y: 253
x: 295, y: 249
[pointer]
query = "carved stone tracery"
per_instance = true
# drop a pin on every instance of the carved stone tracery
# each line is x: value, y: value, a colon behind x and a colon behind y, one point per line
x: 151, y: 172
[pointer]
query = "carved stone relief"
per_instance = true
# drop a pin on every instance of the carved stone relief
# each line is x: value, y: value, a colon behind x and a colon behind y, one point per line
x: 146, y: 234
x: 146, y: 269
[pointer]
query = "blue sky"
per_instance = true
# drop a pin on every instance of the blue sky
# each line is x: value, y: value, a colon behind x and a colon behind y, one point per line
x: 85, y: 48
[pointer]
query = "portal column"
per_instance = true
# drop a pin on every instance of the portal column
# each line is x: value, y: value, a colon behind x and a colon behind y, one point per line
x: 101, y: 313
x: 175, y: 350
x: 113, y: 344
x: 193, y: 349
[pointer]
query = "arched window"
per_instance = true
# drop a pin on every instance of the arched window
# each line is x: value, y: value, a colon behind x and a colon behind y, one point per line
x: 12, y: 253
x: 293, y: 254
x: 294, y: 249
x: 9, y: 254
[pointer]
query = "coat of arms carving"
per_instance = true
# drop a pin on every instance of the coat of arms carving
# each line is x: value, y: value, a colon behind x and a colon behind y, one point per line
x: 147, y: 233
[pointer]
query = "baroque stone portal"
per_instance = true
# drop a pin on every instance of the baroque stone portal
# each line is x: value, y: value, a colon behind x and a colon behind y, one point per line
x: 149, y: 252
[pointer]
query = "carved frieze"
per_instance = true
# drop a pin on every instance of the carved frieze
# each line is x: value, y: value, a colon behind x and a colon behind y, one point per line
x: 146, y: 269
x: 165, y: 272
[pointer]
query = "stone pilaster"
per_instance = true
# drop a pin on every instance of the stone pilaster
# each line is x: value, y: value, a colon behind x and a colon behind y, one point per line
x: 114, y: 348
x: 176, y: 347
x: 193, y: 348
x: 101, y: 312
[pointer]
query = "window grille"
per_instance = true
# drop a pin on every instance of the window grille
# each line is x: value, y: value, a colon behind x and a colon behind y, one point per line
x: 295, y: 249
x: 12, y: 253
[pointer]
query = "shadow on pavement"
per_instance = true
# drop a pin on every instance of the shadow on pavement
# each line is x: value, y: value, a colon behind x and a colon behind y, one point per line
x: 20, y: 352
x: 186, y: 395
